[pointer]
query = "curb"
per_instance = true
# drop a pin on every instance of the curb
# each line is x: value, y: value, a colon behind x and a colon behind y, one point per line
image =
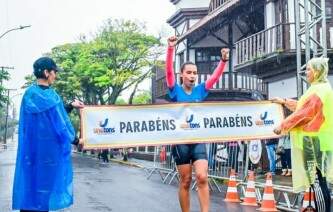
x: 121, y: 162
x: 127, y: 163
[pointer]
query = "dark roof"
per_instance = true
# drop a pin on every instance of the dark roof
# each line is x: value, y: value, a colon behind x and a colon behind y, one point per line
x: 215, y: 13
x: 187, y: 13
x: 174, y: 1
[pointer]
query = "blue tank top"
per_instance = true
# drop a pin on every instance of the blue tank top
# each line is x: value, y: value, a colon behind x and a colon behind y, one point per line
x: 177, y: 93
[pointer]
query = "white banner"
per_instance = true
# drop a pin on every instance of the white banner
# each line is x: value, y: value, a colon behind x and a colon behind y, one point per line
x: 124, y: 126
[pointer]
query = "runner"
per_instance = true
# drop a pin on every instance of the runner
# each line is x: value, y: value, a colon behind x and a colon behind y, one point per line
x: 187, y: 154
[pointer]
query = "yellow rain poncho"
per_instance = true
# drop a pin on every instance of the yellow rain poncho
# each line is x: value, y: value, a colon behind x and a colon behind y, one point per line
x: 311, y: 129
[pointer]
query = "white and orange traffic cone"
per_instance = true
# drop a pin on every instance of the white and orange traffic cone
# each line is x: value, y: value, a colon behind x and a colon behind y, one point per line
x: 309, y: 200
x: 232, y: 195
x: 268, y: 200
x: 250, y: 193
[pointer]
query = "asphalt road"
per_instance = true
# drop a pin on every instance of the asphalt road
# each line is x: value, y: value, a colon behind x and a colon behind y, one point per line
x: 115, y: 187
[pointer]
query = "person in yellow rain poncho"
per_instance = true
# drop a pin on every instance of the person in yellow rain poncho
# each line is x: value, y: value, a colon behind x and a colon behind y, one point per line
x: 311, y: 130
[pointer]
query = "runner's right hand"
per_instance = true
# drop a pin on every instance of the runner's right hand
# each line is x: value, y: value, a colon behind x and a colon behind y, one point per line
x: 172, y: 41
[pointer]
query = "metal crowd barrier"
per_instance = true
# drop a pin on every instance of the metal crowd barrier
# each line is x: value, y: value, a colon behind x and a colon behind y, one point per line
x: 222, y: 157
x: 163, y: 164
x: 286, y: 199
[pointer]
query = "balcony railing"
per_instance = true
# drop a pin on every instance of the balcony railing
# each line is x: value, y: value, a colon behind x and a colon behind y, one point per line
x: 239, y: 82
x: 215, y: 4
x: 272, y: 40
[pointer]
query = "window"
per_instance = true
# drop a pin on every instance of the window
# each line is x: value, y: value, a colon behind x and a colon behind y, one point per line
x: 151, y: 149
x: 207, y: 59
x: 215, y: 58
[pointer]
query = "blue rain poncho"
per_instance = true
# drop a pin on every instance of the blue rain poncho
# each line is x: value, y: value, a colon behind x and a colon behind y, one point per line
x: 43, y: 175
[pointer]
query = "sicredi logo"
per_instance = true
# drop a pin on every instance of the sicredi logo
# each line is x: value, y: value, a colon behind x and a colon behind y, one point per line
x: 103, y: 130
x: 189, y: 123
x: 264, y: 121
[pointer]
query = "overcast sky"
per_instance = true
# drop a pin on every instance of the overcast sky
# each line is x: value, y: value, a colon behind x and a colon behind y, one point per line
x: 55, y: 22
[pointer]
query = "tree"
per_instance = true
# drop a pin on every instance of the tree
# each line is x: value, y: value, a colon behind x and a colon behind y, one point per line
x: 120, y: 56
x: 11, y: 125
x: 142, y: 98
x: 4, y: 75
x: 120, y: 101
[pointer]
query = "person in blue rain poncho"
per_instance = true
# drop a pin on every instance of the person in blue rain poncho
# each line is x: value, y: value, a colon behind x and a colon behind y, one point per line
x: 43, y: 175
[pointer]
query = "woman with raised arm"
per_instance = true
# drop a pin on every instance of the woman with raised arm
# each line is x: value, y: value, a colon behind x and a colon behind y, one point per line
x: 186, y: 155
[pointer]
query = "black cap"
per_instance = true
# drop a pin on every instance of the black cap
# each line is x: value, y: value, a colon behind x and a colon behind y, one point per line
x: 45, y: 63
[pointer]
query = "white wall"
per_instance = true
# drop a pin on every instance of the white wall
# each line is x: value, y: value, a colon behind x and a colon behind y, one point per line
x: 177, y: 64
x: 331, y: 36
x: 269, y: 15
x: 286, y: 88
x: 193, y: 21
x: 192, y: 4
x: 269, y: 22
x: 181, y: 46
x: 180, y: 27
x: 192, y: 55
x: 177, y: 59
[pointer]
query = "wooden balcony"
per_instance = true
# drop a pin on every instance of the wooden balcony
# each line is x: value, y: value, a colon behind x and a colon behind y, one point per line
x: 239, y: 82
x: 268, y: 42
x: 216, y: 4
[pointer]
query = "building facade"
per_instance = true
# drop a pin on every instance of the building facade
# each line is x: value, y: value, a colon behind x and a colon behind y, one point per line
x: 261, y: 35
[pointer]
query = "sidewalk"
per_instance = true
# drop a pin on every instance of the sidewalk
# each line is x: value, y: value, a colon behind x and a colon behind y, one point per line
x: 7, y: 166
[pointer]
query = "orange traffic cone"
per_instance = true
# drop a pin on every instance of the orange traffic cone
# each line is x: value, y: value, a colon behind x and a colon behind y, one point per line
x: 250, y: 193
x: 232, y: 195
x: 308, y: 201
x: 268, y: 201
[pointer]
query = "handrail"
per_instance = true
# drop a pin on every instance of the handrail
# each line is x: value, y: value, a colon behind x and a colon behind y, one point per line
x: 271, y: 40
x: 239, y: 82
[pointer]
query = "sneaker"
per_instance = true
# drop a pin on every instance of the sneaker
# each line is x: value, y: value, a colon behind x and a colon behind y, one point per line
x: 284, y: 172
x: 289, y: 173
